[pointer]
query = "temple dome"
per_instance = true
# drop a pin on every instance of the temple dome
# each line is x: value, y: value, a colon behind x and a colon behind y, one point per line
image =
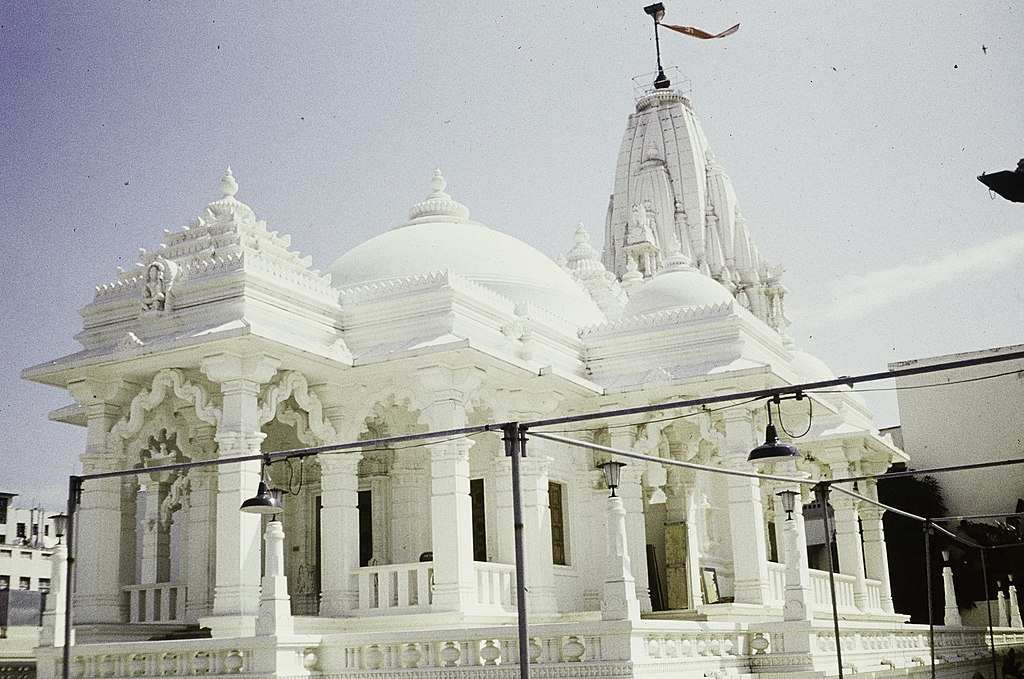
x: 440, y: 236
x: 810, y: 368
x: 677, y: 285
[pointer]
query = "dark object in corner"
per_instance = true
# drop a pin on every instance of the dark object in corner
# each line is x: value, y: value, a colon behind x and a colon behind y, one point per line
x: 1008, y: 183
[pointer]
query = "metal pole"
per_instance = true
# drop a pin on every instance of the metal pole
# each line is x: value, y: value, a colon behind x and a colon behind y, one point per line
x: 515, y: 445
x: 657, y: 46
x: 74, y: 495
x: 821, y: 492
x: 988, y: 606
x: 928, y: 589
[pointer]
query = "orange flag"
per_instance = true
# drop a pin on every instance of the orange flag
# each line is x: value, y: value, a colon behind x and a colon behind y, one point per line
x: 697, y: 33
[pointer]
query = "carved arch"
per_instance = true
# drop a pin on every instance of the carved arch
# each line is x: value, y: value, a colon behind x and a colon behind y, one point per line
x: 148, y: 399
x: 293, y: 384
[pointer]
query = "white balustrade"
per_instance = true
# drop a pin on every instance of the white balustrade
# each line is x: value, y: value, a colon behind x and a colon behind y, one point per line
x: 394, y: 587
x: 161, y: 602
x: 777, y: 583
x: 495, y: 584
x: 846, y: 585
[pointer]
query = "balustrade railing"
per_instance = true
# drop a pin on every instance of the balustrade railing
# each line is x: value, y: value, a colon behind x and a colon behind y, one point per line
x: 495, y: 584
x: 777, y: 582
x: 161, y: 602
x: 394, y: 587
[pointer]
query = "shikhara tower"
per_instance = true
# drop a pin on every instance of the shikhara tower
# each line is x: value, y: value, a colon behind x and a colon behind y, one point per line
x: 671, y: 195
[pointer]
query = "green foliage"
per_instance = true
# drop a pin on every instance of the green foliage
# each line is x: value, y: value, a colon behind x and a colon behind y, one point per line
x: 904, y: 540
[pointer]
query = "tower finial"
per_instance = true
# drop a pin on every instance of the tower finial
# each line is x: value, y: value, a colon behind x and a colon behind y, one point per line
x: 228, y: 185
x: 657, y: 12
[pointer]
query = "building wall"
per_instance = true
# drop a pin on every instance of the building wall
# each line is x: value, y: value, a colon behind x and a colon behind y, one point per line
x: 26, y: 541
x: 960, y: 421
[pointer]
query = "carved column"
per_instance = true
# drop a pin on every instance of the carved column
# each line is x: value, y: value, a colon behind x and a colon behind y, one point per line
x: 339, y: 533
x: 746, y: 513
x: 410, y: 522
x: 632, y: 493
x: 451, y: 523
x: 682, y: 550
x: 156, y: 537
x: 876, y: 558
x: 848, y: 541
x: 198, y: 562
x: 451, y: 517
x: 540, y: 573
x: 237, y: 579
x: 98, y: 548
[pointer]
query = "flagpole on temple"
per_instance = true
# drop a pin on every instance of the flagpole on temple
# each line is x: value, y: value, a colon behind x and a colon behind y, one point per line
x: 657, y: 12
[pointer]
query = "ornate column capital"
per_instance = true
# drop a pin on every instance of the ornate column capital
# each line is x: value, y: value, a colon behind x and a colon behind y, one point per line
x: 113, y: 394
x: 226, y: 368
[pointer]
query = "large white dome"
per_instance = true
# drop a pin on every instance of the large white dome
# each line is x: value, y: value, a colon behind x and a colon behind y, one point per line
x: 441, y: 237
x: 677, y: 285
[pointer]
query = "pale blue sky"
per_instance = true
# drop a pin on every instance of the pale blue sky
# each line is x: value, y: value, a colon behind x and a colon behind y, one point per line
x: 853, y: 136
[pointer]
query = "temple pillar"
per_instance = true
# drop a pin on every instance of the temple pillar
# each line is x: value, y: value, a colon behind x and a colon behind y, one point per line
x: 682, y: 551
x: 876, y: 558
x: 100, y: 569
x: 451, y: 514
x: 238, y: 553
x: 631, y: 493
x: 848, y: 540
x: 156, y: 536
x: 197, y: 563
x: 540, y: 571
x: 746, y: 513
x: 339, y: 534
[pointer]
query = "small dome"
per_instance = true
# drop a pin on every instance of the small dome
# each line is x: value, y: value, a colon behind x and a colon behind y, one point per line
x: 810, y: 368
x: 440, y: 236
x: 677, y: 285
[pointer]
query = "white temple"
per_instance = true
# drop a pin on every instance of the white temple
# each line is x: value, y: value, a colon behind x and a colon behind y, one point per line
x: 398, y: 560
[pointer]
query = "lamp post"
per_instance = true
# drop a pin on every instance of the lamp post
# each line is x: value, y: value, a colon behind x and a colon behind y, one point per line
x: 821, y: 491
x: 657, y: 12
x: 952, y: 612
x: 797, y: 595
x: 619, y: 600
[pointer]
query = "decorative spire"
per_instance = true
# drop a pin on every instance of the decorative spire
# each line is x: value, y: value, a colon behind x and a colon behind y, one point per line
x: 677, y: 261
x: 438, y: 203
x: 583, y: 256
x: 228, y: 185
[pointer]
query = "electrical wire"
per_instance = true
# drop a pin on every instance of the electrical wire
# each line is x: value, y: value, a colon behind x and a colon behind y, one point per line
x: 704, y: 410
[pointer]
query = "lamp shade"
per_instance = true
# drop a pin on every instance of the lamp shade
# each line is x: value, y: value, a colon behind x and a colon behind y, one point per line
x: 788, y: 498
x: 772, y: 448
x: 657, y: 11
x: 60, y: 524
x: 611, y: 470
x: 1009, y: 183
x: 264, y: 502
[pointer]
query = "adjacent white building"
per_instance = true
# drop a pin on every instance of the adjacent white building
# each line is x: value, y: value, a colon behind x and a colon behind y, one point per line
x: 962, y: 416
x: 27, y: 537
x: 398, y: 560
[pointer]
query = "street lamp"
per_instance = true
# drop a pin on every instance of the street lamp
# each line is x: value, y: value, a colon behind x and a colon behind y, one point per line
x: 612, y: 470
x: 657, y: 12
x: 772, y: 449
x: 1008, y: 183
x: 788, y: 502
x: 60, y: 525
